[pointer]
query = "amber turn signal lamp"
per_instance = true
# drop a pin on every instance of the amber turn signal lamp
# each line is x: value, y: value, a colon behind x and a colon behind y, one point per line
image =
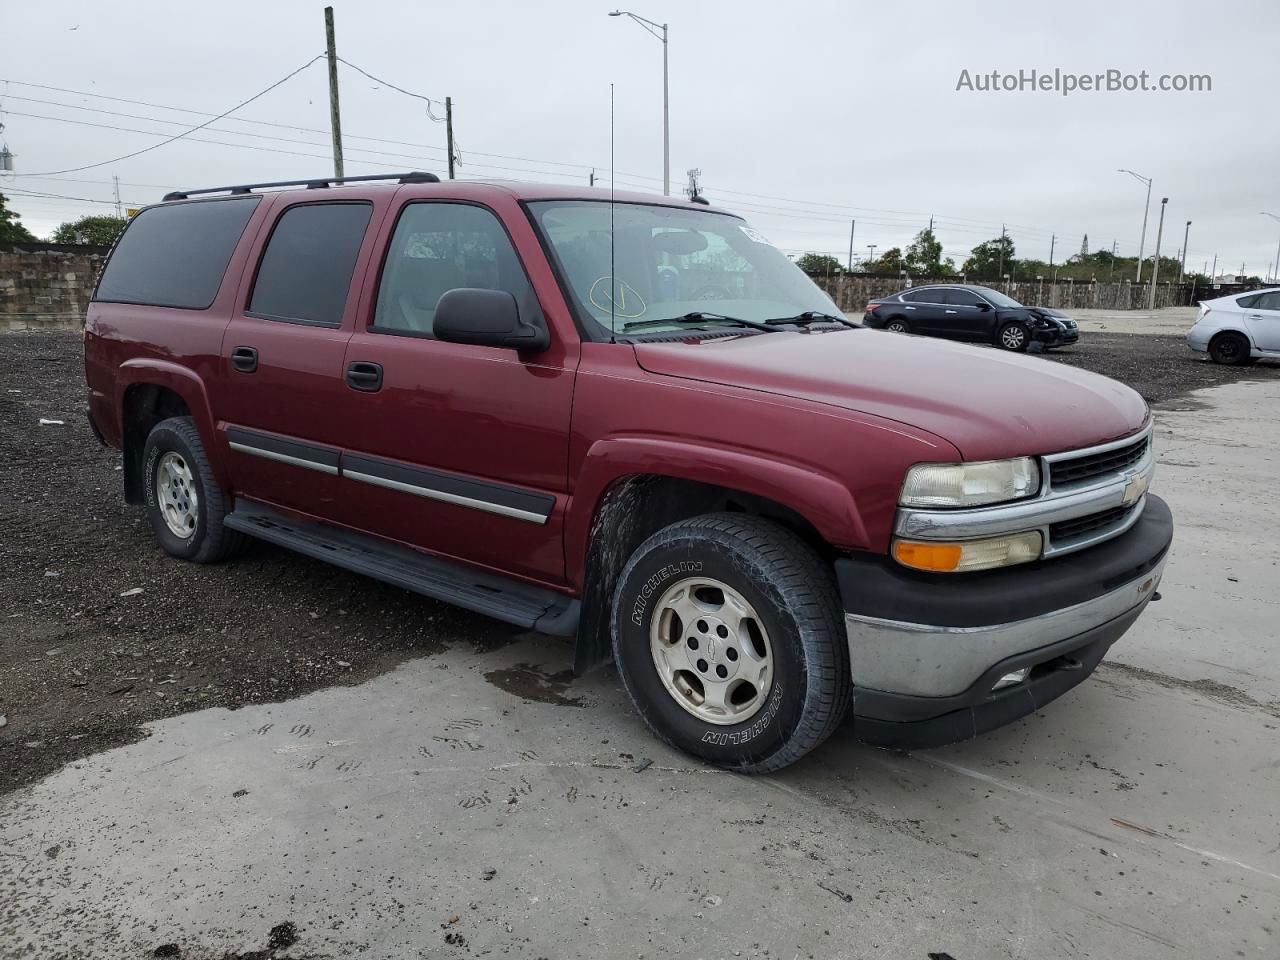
x: 940, y: 557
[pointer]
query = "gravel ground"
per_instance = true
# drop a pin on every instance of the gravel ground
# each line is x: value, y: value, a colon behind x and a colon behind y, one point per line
x: 101, y: 632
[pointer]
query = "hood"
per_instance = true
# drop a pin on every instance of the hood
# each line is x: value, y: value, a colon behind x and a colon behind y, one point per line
x: 987, y: 403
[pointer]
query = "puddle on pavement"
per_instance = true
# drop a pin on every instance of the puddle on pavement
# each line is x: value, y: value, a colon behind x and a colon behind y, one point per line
x: 529, y: 682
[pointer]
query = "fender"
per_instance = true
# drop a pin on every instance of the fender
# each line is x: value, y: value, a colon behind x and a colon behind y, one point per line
x: 823, y: 500
x: 187, y: 384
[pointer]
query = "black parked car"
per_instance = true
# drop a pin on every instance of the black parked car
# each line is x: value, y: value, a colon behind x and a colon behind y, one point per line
x: 978, y: 314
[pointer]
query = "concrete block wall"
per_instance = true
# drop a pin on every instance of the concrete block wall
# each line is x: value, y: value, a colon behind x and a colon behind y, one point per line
x: 44, y: 291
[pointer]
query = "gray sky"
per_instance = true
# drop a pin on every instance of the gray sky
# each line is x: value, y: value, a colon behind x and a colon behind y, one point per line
x: 800, y: 115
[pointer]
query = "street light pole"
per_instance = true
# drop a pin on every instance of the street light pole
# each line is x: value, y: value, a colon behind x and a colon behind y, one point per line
x: 1155, y: 267
x: 1277, y: 219
x: 654, y: 29
x: 1142, y: 241
x: 1182, y: 265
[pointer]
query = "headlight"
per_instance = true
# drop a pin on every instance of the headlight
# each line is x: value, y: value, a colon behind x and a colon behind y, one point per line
x: 970, y: 484
x: 965, y: 556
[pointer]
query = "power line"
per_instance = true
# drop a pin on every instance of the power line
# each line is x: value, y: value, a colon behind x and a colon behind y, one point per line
x: 200, y: 126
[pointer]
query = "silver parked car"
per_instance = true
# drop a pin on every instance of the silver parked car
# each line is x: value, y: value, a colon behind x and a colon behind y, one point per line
x: 1238, y: 329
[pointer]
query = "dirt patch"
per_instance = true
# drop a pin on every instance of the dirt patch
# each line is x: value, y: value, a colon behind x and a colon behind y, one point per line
x: 86, y: 660
x: 1161, y: 368
x: 1209, y: 688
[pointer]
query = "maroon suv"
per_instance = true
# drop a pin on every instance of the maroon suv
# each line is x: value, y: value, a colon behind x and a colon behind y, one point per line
x: 632, y: 422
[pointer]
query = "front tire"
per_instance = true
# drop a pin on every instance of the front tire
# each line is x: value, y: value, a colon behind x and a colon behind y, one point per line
x: 727, y: 635
x: 1014, y: 336
x: 1231, y: 349
x: 183, y: 501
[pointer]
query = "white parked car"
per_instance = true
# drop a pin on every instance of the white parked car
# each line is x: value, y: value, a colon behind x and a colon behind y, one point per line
x: 1238, y: 329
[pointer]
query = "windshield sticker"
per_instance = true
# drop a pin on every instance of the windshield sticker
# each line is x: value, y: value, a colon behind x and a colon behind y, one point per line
x: 755, y: 235
x: 617, y: 298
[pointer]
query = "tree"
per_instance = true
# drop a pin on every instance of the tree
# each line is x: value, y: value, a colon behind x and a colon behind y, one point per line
x: 818, y: 264
x: 889, y: 262
x: 11, y: 229
x: 924, y: 256
x: 985, y: 259
x: 100, y: 231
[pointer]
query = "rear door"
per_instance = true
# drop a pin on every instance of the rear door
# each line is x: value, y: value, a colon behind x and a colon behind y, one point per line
x: 458, y: 449
x: 1263, y: 320
x: 923, y: 309
x: 283, y: 353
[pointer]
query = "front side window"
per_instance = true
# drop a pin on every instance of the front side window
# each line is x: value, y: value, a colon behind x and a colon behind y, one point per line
x: 306, y: 268
x: 645, y: 264
x: 998, y: 299
x: 174, y: 254
x: 438, y: 247
x: 962, y: 298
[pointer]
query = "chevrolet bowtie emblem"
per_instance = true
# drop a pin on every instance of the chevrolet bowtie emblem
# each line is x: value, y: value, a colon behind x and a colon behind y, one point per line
x: 1135, y: 488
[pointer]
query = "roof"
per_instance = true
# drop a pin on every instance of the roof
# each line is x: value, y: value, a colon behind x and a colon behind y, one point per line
x: 427, y: 185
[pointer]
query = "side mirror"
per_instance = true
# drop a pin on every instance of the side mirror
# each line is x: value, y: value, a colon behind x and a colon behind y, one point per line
x: 983, y: 305
x: 489, y: 318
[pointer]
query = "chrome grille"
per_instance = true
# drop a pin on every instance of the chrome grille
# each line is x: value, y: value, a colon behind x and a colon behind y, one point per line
x: 1075, y: 470
x: 1091, y: 523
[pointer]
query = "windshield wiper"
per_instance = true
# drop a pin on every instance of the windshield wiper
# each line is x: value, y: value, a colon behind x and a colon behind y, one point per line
x: 697, y: 318
x: 812, y: 316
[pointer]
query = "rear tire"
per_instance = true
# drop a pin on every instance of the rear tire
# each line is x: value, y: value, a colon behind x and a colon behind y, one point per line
x: 183, y: 501
x: 727, y: 634
x: 897, y: 325
x: 1014, y: 336
x: 1231, y: 349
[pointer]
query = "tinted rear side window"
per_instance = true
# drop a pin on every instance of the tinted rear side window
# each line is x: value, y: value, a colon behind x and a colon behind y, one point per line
x: 175, y: 255
x: 306, y: 270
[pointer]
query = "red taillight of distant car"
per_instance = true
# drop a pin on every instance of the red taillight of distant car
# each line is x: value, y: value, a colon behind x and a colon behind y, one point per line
x: 869, y: 307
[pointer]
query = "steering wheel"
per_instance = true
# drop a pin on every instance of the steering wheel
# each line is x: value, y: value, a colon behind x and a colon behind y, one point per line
x: 711, y: 292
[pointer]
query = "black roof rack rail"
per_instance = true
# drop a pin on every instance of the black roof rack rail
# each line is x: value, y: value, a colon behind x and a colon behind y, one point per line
x: 316, y: 183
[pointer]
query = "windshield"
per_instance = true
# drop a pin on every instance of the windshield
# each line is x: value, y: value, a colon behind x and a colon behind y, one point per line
x: 669, y: 263
x: 996, y: 298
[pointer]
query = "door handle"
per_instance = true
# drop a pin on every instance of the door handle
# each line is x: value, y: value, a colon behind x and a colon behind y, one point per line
x: 1255, y: 316
x: 909, y: 308
x: 362, y: 375
x: 244, y: 359
x: 952, y: 311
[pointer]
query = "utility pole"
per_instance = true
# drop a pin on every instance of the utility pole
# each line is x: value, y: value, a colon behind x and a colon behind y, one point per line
x: 1155, y: 267
x: 448, y: 132
x: 1277, y: 219
x: 591, y: 178
x: 1053, y: 239
x: 1114, y: 245
x: 1214, y: 274
x: 654, y: 28
x: 852, y: 225
x: 1142, y: 241
x: 116, y: 181
x: 871, y: 257
x: 1182, y: 264
x: 1000, y: 269
x: 335, y: 119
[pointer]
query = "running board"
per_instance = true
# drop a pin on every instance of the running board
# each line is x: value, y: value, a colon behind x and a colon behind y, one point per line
x: 495, y: 596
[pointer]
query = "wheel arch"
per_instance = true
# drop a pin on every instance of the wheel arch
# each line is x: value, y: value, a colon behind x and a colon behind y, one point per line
x: 627, y: 495
x: 149, y: 391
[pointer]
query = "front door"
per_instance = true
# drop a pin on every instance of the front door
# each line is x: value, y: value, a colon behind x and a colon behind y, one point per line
x: 282, y: 354
x: 962, y: 317
x: 458, y: 449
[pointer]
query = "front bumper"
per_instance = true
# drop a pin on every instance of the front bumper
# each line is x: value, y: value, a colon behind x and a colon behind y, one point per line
x: 1055, y: 336
x: 927, y: 650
